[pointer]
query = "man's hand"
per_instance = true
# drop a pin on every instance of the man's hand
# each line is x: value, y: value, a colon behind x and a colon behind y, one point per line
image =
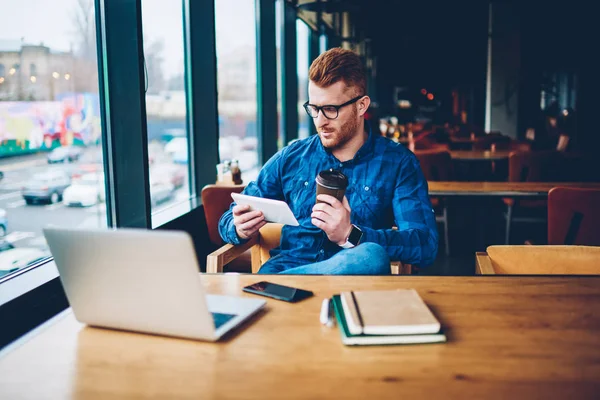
x: 247, y: 222
x: 333, y: 218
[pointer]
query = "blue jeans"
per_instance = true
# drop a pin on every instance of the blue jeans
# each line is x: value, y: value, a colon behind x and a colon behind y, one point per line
x: 364, y: 259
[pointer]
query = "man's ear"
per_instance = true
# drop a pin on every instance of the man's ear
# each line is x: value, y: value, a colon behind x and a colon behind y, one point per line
x: 363, y: 105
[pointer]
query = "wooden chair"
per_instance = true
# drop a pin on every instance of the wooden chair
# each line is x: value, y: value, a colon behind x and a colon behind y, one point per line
x: 538, y: 260
x: 268, y: 238
x: 437, y: 166
x: 216, y: 199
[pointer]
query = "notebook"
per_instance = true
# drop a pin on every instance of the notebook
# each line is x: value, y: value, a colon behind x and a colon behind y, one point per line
x: 388, y: 312
x: 357, y: 340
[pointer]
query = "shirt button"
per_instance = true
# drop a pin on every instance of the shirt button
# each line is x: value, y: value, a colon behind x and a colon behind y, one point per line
x: 341, y: 165
x: 306, y: 183
x: 322, y: 251
x: 367, y: 188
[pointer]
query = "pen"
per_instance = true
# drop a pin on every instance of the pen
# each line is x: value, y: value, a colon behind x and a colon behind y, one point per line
x: 326, y: 316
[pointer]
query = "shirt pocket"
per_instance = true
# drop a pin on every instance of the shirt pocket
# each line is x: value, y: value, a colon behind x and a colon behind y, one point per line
x: 303, y: 196
x: 371, y: 207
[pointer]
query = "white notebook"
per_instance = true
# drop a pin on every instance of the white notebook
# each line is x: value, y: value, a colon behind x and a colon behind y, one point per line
x: 388, y: 312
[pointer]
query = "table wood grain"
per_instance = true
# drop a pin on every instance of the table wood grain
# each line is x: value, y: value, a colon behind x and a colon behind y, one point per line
x: 508, y: 337
x: 504, y: 189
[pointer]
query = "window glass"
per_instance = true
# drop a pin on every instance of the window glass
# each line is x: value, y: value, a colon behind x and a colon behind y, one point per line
x: 51, y: 163
x: 162, y: 25
x: 302, y: 37
x: 236, y: 66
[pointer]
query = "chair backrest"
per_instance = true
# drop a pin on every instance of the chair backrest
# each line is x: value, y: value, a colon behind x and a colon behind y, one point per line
x: 436, y: 165
x: 533, y: 166
x: 545, y: 260
x: 574, y: 216
x: 216, y: 199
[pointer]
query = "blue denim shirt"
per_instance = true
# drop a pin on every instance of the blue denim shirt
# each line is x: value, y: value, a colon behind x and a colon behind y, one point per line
x: 386, y: 188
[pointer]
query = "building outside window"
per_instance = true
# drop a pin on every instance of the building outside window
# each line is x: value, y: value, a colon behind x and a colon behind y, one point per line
x: 51, y: 162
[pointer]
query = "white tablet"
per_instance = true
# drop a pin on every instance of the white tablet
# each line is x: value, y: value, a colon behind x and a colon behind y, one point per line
x: 273, y: 210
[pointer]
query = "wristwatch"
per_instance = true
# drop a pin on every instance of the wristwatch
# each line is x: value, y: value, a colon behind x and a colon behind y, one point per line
x: 354, y: 238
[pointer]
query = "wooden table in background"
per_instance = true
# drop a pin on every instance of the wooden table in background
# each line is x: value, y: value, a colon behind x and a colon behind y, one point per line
x: 480, y: 155
x: 508, y: 337
x: 504, y: 189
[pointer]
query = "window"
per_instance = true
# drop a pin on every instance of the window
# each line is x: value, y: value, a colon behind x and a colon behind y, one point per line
x: 323, y: 43
x: 236, y: 66
x: 55, y: 140
x: 302, y: 38
x: 168, y: 148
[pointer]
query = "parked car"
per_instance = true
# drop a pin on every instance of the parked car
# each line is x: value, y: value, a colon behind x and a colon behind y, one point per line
x: 3, y: 223
x: 14, y: 259
x: 86, y: 191
x: 48, y: 187
x: 171, y: 173
x: 160, y: 192
x: 5, y: 245
x: 64, y: 154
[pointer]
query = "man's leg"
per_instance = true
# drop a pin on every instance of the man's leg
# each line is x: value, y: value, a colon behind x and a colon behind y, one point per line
x: 277, y: 264
x: 364, y: 259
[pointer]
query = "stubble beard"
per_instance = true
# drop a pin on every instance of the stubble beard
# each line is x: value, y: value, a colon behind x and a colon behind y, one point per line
x: 343, y: 135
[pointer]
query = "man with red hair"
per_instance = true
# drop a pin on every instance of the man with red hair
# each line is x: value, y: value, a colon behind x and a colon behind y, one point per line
x: 386, y: 187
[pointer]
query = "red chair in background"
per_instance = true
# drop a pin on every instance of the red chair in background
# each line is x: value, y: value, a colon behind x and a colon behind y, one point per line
x: 574, y: 216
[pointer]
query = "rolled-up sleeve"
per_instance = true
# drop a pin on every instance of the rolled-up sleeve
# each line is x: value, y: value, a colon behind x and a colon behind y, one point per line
x: 267, y: 185
x: 416, y: 239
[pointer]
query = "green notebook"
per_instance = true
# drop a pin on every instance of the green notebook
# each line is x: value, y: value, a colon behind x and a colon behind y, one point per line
x: 351, y: 340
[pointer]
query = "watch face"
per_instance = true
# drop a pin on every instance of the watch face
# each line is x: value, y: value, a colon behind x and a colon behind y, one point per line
x: 355, y: 235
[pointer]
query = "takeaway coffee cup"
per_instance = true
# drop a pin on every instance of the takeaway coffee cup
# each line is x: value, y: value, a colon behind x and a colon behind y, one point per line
x: 333, y: 183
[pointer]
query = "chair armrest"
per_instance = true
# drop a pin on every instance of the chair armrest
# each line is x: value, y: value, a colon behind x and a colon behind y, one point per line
x: 397, y: 268
x: 483, y: 264
x: 225, y: 254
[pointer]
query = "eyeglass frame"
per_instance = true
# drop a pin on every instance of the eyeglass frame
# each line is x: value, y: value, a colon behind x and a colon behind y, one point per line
x: 337, y: 108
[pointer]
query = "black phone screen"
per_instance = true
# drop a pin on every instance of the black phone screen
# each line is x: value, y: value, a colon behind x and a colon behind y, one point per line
x: 276, y: 291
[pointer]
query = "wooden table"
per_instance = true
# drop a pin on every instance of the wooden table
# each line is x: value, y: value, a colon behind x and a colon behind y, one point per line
x: 480, y: 155
x: 508, y: 337
x: 504, y: 189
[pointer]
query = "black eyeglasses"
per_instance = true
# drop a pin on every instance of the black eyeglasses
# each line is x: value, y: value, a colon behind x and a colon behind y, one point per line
x: 329, y: 111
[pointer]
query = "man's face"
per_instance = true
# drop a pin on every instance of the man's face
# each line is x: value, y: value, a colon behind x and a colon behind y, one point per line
x: 334, y: 133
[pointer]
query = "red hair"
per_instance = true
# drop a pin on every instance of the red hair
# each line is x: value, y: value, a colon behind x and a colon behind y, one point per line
x: 336, y: 65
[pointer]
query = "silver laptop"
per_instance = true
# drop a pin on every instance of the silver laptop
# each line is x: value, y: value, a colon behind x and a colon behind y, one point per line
x: 142, y: 280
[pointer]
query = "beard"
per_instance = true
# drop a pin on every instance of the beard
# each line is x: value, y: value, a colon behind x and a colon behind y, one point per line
x: 339, y: 137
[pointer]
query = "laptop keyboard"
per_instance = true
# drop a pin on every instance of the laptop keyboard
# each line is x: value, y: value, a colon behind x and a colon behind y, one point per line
x: 221, y: 319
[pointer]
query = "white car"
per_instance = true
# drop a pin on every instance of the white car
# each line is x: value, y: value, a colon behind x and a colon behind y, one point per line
x: 160, y: 192
x: 86, y: 191
x: 14, y: 259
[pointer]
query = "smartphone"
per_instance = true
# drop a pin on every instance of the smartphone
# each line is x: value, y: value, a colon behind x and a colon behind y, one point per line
x: 279, y: 292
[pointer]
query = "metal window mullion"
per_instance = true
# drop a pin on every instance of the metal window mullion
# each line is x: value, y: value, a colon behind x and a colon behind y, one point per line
x: 123, y: 112
x: 289, y: 54
x: 201, y: 92
x: 266, y: 71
